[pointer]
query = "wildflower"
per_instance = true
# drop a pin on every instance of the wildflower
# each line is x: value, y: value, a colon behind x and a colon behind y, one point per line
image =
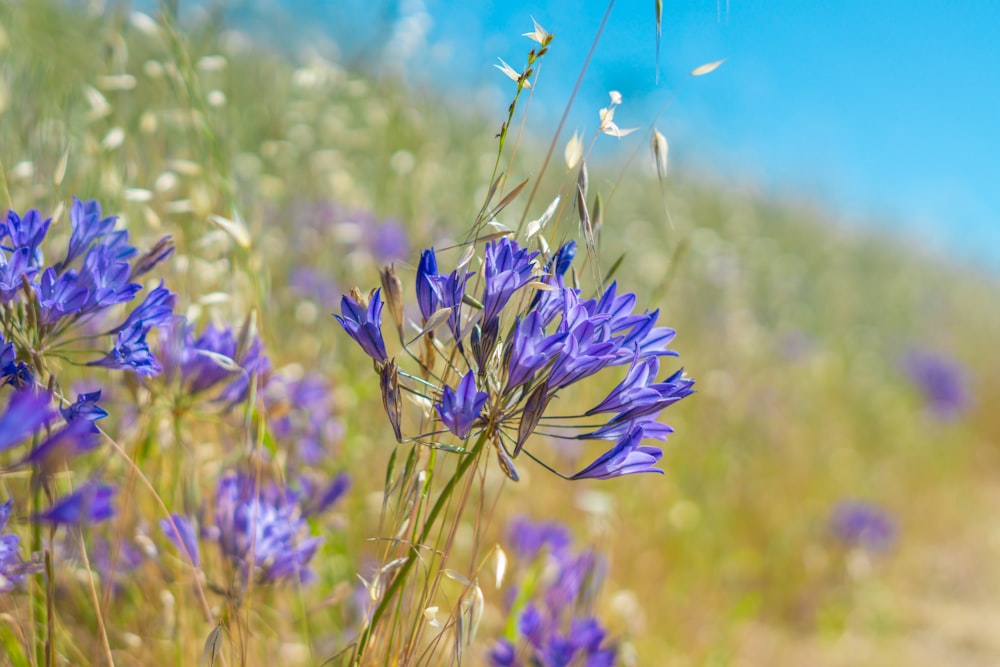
x: 27, y: 233
x: 364, y: 325
x: 528, y: 538
x: 427, y: 298
x: 508, y: 268
x: 317, y: 499
x: 13, y: 271
x: 27, y: 411
x: 531, y: 349
x: 554, y: 626
x: 200, y: 363
x: 87, y: 226
x: 13, y: 372
x: 90, y: 503
x: 261, y: 530
x: 459, y: 409
x: 941, y: 380
x: 156, y: 309
x: 450, y: 292
x: 85, y: 408
x: 863, y: 525
x: 69, y: 292
x: 131, y: 352
x: 53, y: 453
x: 180, y: 531
x: 301, y: 414
x: 557, y: 340
x: 12, y: 567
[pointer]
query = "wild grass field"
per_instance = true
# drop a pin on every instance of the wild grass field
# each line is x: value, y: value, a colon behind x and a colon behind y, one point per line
x: 829, y: 491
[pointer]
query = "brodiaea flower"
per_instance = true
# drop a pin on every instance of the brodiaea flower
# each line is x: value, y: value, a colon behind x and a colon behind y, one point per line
x: 26, y: 412
x: 554, y: 623
x: 459, y: 409
x: 12, y: 568
x: 863, y: 525
x: 508, y: 268
x: 557, y: 339
x: 364, y: 325
x: 942, y: 381
x: 90, y: 503
x: 262, y: 529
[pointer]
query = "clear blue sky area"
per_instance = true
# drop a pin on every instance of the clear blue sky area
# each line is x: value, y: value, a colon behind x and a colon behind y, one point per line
x: 885, y: 112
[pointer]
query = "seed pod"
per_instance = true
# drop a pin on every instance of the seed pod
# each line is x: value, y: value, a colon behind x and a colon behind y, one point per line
x: 534, y: 407
x: 392, y: 401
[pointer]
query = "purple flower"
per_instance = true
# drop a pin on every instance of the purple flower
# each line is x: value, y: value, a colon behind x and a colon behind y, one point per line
x: 27, y: 233
x: 554, y: 624
x: 27, y: 411
x: 427, y: 299
x: 156, y: 310
x: 262, y: 530
x: 12, y: 567
x: 318, y: 499
x: 627, y: 457
x: 12, y: 272
x: 53, y: 453
x: 450, y: 290
x: 941, y: 380
x: 255, y: 365
x: 13, y: 372
x: 560, y: 262
x: 364, y: 326
x: 89, y: 503
x: 85, y: 408
x: 60, y: 296
x: 531, y: 349
x: 201, y: 363
x: 503, y: 654
x: 863, y: 525
x: 528, y: 538
x: 105, y: 275
x: 508, y: 268
x: 636, y: 396
x: 180, y: 531
x: 459, y: 409
x: 131, y: 352
x: 304, y: 416
x: 387, y: 242
x: 87, y: 226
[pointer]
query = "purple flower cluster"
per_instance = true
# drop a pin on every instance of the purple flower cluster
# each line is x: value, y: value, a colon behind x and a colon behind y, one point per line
x: 555, y: 338
x: 260, y: 528
x: 95, y: 275
x: 551, y: 606
x: 213, y: 364
x: 28, y: 415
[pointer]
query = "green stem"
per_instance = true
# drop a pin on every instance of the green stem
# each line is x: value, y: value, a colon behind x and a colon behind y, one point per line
x: 400, y: 578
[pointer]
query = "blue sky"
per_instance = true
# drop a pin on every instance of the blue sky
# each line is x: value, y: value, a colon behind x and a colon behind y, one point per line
x: 884, y: 112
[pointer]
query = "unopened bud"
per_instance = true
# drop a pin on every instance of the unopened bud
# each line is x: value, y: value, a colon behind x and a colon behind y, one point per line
x: 393, y: 290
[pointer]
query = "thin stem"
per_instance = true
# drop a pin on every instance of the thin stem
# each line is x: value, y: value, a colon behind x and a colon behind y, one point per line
x: 400, y: 578
x: 97, y: 603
